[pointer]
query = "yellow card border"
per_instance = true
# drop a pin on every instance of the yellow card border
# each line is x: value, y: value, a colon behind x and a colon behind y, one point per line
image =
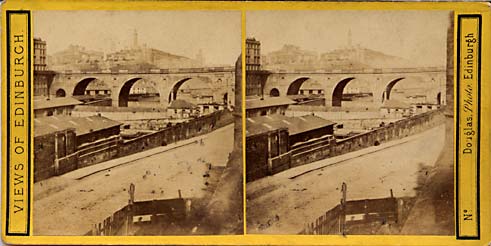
x: 459, y: 8
x: 465, y: 219
x: 18, y: 141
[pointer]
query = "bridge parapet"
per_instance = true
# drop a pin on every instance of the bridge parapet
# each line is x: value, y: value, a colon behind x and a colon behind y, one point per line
x: 152, y: 71
x: 361, y: 70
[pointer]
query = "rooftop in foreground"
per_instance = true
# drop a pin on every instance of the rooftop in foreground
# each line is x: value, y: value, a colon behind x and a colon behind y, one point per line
x: 268, y: 102
x: 54, y: 102
x: 181, y: 104
x: 82, y: 125
x: 295, y: 125
x: 393, y: 103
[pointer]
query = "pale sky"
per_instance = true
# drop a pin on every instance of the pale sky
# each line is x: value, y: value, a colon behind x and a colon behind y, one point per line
x: 419, y: 36
x: 216, y: 33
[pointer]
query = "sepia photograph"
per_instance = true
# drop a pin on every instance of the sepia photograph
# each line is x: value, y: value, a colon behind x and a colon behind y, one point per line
x: 245, y: 123
x: 137, y: 123
x: 349, y: 122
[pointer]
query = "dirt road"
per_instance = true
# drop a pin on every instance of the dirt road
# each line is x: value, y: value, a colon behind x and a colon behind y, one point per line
x: 66, y: 206
x: 280, y: 205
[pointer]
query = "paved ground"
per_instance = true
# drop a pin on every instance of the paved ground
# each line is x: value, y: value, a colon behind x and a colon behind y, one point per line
x: 433, y: 212
x: 283, y: 203
x: 68, y: 205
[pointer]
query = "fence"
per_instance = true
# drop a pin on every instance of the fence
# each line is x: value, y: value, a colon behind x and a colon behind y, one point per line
x: 342, y: 218
x: 106, y: 149
x: 323, y: 148
x: 260, y: 165
x: 121, y: 222
x: 328, y: 223
x: 98, y: 151
x: 181, y: 131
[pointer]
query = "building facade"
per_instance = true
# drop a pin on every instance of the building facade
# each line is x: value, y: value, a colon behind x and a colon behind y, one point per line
x: 76, y: 58
x: 253, y: 54
x: 290, y: 57
x: 393, y: 108
x: 43, y: 78
x: 56, y: 106
x: 272, y: 140
x: 181, y: 109
x: 255, y: 76
x: 65, y: 143
x: 39, y: 55
x: 267, y: 106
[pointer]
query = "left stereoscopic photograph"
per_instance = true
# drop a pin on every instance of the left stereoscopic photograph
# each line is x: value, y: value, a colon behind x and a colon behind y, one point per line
x: 137, y: 123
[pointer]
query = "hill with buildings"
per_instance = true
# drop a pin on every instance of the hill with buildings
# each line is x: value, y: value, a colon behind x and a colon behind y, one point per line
x: 349, y: 57
x: 136, y: 57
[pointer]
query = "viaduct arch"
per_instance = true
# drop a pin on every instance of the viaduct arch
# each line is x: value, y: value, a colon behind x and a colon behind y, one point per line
x: 380, y: 82
x: 167, y: 82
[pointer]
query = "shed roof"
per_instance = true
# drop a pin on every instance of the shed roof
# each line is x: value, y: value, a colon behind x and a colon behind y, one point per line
x: 295, y: 125
x: 392, y: 103
x: 54, y: 102
x: 82, y: 125
x: 179, y: 104
x: 268, y: 102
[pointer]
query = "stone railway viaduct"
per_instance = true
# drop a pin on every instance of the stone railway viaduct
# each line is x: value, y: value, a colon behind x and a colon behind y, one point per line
x: 166, y: 81
x: 380, y: 81
x: 278, y: 83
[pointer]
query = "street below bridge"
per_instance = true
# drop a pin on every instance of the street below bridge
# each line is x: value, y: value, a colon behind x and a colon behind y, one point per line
x: 285, y: 202
x: 72, y: 203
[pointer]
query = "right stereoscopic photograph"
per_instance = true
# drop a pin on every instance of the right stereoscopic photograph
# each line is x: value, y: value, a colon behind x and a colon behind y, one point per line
x: 349, y: 126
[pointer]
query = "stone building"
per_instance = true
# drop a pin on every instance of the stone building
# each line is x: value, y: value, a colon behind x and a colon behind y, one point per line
x: 97, y: 87
x: 419, y: 108
x: 66, y: 143
x: 300, y: 129
x: 253, y: 54
x: 56, y: 106
x: 208, y: 108
x: 181, y: 109
x: 262, y: 145
x: 128, y: 58
x: 393, y: 108
x: 267, y: 106
x: 43, y: 78
x: 42, y: 82
x: 39, y: 55
x: 255, y: 76
x: 290, y: 57
x: 270, y: 140
x: 139, y: 56
x: 76, y: 58
x: 311, y: 87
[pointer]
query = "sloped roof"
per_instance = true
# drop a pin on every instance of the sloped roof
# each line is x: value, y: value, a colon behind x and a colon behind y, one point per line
x: 82, y: 125
x: 41, y: 103
x: 268, y: 102
x: 295, y: 125
x: 391, y: 103
x: 180, y: 104
x: 298, y: 96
